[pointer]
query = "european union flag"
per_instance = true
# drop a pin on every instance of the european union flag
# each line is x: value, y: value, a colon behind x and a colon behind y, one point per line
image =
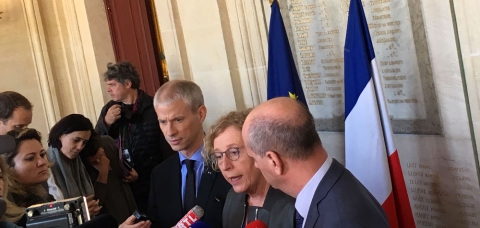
x: 283, y: 80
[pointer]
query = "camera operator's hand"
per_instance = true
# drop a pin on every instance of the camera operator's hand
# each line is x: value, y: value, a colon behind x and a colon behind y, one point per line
x: 130, y: 223
x: 93, y: 206
x: 132, y: 176
x: 113, y: 114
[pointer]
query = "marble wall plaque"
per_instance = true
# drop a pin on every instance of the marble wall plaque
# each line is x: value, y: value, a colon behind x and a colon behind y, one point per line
x: 318, y: 31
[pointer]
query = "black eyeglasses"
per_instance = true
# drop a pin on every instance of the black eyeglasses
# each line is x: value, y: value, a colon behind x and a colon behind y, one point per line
x: 232, y: 153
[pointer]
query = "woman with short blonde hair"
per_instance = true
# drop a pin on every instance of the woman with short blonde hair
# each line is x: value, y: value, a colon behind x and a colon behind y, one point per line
x: 251, y: 197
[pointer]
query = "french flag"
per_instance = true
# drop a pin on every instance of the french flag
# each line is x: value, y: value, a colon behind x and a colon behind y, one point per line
x: 370, y: 152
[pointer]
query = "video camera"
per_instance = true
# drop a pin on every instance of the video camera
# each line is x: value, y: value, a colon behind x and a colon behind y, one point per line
x: 64, y: 213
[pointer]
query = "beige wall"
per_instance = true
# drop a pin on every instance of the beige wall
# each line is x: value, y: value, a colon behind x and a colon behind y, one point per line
x: 53, y: 52
x: 20, y: 71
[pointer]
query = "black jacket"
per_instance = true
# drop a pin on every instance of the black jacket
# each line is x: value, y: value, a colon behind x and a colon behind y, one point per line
x: 165, y: 207
x: 144, y: 139
x: 278, y: 210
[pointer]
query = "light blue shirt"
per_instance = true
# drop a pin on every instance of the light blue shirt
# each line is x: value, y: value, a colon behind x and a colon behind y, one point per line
x: 198, y: 169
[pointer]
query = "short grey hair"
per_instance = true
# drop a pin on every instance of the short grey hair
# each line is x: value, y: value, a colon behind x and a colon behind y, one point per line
x: 175, y: 89
x: 294, y: 139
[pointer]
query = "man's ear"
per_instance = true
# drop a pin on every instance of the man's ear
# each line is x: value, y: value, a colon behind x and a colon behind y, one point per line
x: 128, y: 84
x: 275, y: 162
x: 202, y: 113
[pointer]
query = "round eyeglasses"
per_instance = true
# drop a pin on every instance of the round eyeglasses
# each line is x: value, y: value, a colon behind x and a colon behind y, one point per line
x: 232, y: 153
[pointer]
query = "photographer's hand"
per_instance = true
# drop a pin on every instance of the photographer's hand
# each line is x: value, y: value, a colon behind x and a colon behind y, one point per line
x: 132, y: 176
x: 130, y: 223
x: 113, y: 114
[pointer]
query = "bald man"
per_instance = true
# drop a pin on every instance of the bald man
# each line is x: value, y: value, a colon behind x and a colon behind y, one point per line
x: 280, y: 136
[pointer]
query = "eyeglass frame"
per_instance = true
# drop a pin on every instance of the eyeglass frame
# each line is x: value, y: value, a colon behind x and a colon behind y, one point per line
x: 226, y: 152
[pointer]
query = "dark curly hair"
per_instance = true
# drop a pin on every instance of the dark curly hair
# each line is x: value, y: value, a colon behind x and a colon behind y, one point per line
x: 122, y: 72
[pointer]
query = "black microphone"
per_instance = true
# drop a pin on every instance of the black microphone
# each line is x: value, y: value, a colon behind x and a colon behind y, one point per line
x: 7, y: 144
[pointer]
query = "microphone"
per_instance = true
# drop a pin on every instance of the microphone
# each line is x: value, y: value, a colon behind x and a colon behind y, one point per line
x: 200, y: 224
x: 256, y: 224
x: 191, y: 217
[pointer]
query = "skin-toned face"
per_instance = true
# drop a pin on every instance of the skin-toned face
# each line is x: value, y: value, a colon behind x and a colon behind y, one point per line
x: 31, y: 164
x: 117, y: 91
x: 20, y: 119
x: 182, y: 127
x: 73, y: 143
x: 241, y: 174
x: 94, y: 160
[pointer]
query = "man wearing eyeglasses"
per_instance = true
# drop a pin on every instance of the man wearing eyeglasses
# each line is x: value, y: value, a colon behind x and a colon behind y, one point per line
x: 15, y: 111
x: 181, y: 182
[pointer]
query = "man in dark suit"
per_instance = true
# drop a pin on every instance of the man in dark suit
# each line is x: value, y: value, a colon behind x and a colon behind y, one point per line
x: 184, y: 180
x: 280, y: 135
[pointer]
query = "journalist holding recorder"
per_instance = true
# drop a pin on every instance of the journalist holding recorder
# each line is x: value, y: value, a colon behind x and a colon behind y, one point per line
x: 251, y: 198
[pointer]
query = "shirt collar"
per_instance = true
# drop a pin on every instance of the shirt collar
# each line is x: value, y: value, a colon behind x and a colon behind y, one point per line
x: 304, y: 198
x: 197, y: 156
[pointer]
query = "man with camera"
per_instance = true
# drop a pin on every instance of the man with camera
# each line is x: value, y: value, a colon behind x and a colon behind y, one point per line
x: 131, y: 120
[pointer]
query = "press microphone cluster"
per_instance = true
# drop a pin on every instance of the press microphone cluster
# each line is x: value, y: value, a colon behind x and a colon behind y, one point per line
x: 190, y: 218
x: 256, y: 224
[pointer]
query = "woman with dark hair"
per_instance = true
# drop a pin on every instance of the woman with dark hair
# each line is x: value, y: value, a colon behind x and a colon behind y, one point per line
x: 95, y: 173
x: 119, y: 202
x: 66, y: 139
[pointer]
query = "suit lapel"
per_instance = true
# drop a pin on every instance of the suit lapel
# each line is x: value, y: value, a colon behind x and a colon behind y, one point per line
x: 206, y: 185
x: 175, y: 194
x: 326, y: 184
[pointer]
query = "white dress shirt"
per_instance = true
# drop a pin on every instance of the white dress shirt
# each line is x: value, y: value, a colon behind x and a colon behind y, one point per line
x: 304, y: 198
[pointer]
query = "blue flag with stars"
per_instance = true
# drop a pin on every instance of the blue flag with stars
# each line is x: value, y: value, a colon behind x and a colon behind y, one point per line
x: 283, y: 80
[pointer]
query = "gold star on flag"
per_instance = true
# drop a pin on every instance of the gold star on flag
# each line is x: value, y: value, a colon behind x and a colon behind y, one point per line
x: 292, y: 95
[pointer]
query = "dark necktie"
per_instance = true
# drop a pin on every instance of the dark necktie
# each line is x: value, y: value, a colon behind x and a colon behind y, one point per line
x: 189, y: 196
x: 299, y: 219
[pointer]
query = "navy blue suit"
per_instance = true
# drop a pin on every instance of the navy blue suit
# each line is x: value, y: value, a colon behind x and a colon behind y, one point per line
x: 342, y: 201
x: 165, y: 205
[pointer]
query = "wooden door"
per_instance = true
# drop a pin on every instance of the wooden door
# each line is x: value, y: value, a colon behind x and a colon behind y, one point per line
x: 133, y: 33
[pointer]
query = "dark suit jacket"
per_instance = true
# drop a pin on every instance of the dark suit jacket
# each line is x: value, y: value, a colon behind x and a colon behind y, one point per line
x: 165, y: 207
x: 278, y: 210
x: 342, y: 201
